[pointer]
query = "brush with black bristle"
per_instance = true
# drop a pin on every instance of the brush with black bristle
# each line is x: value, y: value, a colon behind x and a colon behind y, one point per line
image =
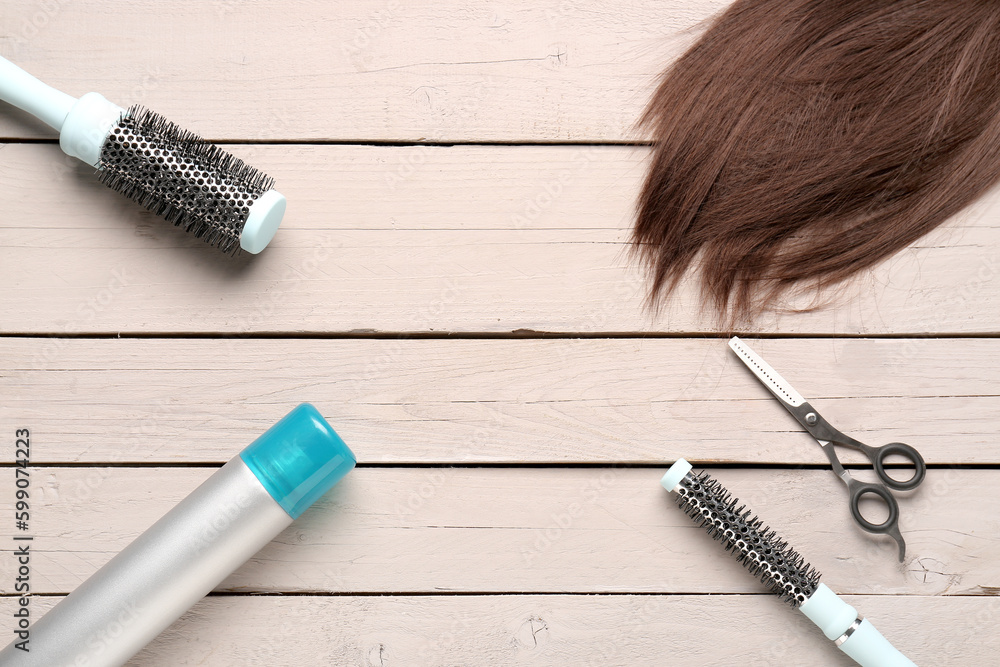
x: 778, y: 566
x: 196, y: 185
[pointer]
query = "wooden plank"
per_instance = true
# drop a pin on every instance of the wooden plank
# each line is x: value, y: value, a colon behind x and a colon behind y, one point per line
x: 556, y: 630
x: 485, y: 239
x: 486, y: 530
x: 482, y: 239
x: 424, y: 401
x: 576, y: 70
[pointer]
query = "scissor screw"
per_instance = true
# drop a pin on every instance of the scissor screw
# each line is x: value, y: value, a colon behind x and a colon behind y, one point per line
x: 811, y: 418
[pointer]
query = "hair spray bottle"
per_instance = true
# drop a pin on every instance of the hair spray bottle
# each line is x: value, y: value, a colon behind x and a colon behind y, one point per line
x: 189, y: 551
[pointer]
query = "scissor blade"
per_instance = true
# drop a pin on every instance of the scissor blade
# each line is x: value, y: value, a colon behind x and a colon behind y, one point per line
x: 767, y: 375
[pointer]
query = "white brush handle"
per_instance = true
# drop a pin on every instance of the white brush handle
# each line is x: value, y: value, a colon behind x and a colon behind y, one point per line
x: 83, y: 123
x: 854, y: 636
x: 24, y: 91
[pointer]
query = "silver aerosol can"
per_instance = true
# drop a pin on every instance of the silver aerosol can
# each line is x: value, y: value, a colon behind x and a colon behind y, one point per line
x: 189, y: 551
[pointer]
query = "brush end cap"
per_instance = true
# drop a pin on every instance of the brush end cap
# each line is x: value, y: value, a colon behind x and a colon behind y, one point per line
x: 675, y: 474
x: 262, y: 223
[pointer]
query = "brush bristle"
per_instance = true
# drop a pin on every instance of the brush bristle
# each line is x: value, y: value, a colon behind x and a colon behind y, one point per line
x: 176, y: 174
x: 757, y: 547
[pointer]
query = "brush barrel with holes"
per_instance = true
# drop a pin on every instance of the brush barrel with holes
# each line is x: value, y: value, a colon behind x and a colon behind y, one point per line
x: 779, y: 567
x: 192, y: 548
x: 174, y: 173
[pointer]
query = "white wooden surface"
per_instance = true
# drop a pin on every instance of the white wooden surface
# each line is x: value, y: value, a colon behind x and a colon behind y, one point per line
x: 556, y: 70
x: 461, y: 183
x: 549, y: 630
x: 422, y: 239
x: 605, y: 530
x: 632, y: 400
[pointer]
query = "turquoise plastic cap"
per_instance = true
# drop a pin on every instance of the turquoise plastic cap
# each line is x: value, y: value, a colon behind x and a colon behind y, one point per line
x: 299, y: 459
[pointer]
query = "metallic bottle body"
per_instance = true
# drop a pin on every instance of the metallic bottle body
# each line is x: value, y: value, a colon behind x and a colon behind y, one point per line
x: 159, y: 576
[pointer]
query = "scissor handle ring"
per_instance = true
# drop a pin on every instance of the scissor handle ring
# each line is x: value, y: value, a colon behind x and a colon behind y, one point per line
x: 907, y: 452
x: 859, y: 489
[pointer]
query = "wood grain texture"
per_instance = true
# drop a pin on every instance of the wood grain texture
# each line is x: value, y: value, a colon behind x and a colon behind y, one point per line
x: 480, y: 239
x: 386, y: 70
x: 393, y: 231
x: 552, y: 630
x: 489, y: 530
x: 507, y: 401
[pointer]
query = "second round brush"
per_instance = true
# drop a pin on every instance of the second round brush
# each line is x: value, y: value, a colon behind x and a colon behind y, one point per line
x: 778, y: 566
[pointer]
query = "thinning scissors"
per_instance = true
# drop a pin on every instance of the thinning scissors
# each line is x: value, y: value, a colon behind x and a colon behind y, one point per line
x: 828, y: 436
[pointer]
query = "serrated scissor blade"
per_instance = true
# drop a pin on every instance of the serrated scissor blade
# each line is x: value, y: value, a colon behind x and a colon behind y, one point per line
x: 767, y: 375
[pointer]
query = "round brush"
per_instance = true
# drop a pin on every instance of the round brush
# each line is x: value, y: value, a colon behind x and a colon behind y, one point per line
x: 779, y: 567
x: 194, y: 184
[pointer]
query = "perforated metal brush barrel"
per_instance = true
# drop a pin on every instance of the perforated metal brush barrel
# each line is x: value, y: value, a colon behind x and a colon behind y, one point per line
x: 758, y: 548
x: 176, y: 174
